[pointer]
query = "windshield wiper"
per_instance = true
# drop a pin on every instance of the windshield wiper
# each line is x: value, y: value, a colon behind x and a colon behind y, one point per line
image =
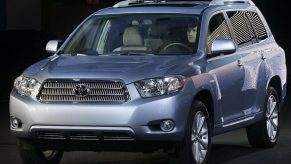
x: 135, y: 54
x: 85, y: 52
x: 78, y: 54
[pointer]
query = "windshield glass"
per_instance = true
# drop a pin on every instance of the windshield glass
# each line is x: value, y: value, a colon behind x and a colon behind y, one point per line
x: 139, y: 34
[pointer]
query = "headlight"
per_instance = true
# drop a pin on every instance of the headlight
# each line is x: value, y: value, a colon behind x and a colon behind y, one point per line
x: 159, y: 86
x: 24, y: 85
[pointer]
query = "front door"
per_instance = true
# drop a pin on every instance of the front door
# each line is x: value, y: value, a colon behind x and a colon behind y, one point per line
x: 230, y: 76
x: 228, y: 71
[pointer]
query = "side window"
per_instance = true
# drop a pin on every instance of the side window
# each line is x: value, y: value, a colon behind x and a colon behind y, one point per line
x: 258, y: 25
x: 241, y: 28
x: 217, y: 29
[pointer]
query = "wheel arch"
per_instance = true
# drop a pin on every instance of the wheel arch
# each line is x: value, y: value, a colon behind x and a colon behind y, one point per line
x: 206, y: 97
x: 275, y: 82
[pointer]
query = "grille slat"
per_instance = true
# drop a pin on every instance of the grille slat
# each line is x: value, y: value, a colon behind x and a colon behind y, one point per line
x: 117, y: 136
x: 96, y: 85
x: 99, y: 91
x: 84, y: 136
x: 50, y: 135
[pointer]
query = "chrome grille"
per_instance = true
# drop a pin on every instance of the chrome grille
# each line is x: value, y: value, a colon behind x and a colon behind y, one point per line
x: 99, y: 91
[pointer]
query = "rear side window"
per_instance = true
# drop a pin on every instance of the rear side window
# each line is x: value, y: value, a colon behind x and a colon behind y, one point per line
x: 257, y: 25
x: 241, y: 28
x: 217, y: 29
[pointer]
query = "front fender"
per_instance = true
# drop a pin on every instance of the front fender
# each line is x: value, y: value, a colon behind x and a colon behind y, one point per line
x: 208, y: 82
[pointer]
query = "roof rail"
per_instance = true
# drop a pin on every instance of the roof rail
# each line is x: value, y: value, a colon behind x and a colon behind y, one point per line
x: 135, y: 2
x: 223, y: 2
x: 211, y: 2
x: 130, y: 2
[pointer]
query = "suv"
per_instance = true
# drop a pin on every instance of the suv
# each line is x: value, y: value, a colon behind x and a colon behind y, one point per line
x: 149, y: 75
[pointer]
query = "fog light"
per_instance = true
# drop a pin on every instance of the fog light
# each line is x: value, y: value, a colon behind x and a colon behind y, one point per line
x: 15, y: 123
x: 167, y: 125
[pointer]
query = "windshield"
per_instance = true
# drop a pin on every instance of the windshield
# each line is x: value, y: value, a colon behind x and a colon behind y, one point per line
x: 139, y: 34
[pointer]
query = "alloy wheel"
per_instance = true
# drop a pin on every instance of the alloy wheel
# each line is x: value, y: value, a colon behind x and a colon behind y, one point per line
x: 199, y: 137
x: 272, y: 118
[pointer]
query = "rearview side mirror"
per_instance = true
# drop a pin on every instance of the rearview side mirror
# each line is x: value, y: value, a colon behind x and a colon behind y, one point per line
x: 52, y: 46
x: 222, y: 46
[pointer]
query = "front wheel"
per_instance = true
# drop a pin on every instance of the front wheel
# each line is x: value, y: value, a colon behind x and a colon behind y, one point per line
x: 264, y: 134
x: 196, y: 145
x: 31, y: 155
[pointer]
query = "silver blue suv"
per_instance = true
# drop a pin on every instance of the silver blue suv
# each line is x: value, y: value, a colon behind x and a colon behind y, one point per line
x: 152, y: 74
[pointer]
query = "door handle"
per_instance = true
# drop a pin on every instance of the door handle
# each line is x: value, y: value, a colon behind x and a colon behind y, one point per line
x: 262, y: 52
x: 267, y: 50
x: 263, y: 56
x: 239, y: 63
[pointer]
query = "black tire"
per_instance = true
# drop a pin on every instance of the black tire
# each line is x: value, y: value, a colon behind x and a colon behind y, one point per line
x: 31, y: 155
x: 184, y: 151
x: 258, y: 133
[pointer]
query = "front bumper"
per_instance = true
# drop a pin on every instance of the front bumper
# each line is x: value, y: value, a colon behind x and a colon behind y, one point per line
x: 136, y: 119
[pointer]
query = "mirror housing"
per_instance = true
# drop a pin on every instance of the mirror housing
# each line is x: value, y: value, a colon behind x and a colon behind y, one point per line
x: 222, y: 46
x: 52, y: 46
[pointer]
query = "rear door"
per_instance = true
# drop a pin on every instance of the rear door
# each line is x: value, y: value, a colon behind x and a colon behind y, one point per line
x: 246, y: 31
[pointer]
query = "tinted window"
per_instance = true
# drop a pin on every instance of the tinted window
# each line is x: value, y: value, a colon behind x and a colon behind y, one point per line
x: 217, y: 29
x: 240, y: 28
x: 258, y: 25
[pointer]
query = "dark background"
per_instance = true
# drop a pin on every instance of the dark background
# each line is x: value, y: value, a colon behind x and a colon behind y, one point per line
x: 26, y: 26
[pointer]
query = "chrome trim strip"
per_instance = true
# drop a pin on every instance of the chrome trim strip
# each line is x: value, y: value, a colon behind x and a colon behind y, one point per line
x: 104, y: 129
x: 239, y: 121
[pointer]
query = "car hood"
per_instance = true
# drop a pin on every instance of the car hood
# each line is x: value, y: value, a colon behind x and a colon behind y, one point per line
x: 127, y: 68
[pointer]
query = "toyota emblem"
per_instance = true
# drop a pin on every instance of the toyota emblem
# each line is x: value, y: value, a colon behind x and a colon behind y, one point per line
x: 81, y: 90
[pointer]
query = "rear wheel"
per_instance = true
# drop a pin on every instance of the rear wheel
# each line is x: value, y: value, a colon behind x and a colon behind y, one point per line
x: 265, y: 133
x: 31, y: 155
x: 196, y: 146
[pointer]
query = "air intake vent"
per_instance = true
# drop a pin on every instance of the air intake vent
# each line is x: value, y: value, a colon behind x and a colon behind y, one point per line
x: 113, y: 136
x: 83, y: 91
x: 84, y: 136
x: 50, y: 135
